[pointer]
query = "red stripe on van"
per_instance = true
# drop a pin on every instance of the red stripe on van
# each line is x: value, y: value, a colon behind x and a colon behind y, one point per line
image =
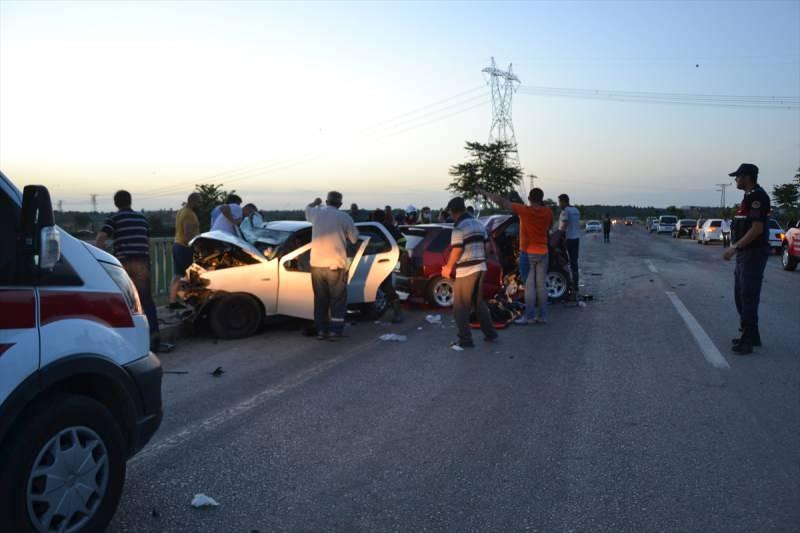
x: 17, y: 309
x: 107, y: 308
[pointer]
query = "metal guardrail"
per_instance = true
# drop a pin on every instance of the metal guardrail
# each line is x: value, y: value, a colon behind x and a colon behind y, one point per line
x: 161, y: 266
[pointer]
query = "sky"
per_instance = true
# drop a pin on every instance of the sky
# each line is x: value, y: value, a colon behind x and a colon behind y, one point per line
x: 285, y: 101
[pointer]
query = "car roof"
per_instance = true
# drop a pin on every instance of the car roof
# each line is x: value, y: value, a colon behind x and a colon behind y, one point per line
x: 288, y: 225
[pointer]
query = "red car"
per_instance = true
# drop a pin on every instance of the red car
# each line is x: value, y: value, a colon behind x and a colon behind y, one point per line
x: 419, y: 272
x: 791, y: 247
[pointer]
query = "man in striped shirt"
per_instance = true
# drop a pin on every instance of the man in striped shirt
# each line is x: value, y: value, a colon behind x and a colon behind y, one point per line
x: 130, y: 232
x: 468, y: 260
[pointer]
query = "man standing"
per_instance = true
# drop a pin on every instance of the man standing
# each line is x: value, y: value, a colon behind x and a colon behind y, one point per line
x: 356, y: 214
x: 726, y: 232
x: 331, y: 229
x: 187, y: 226
x: 230, y: 215
x: 131, y: 234
x: 751, y: 247
x: 468, y: 261
x: 570, y: 224
x: 535, y: 221
x: 607, y: 229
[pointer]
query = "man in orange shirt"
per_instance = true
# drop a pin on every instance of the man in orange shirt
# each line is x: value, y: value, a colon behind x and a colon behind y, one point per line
x: 535, y: 221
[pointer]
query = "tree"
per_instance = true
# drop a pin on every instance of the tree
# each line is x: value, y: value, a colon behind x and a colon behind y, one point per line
x: 672, y: 210
x: 487, y: 168
x: 786, y: 195
x: 797, y: 176
x: 81, y: 221
x: 211, y: 196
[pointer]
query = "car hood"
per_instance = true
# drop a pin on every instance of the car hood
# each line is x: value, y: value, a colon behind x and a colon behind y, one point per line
x: 225, y: 237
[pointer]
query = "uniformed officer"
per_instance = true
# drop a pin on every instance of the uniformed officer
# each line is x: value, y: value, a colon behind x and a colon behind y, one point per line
x: 751, y: 247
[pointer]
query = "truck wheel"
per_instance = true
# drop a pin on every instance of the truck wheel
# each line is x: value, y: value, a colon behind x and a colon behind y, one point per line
x: 235, y: 316
x: 68, y: 468
x: 789, y: 262
x: 557, y: 284
x: 440, y: 292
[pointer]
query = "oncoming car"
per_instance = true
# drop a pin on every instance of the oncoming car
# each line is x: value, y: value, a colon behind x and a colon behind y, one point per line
x: 594, y: 226
x: 235, y: 284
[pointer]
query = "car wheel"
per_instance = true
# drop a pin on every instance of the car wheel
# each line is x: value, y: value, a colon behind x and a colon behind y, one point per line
x: 557, y: 285
x: 235, y: 316
x: 789, y: 262
x: 376, y: 309
x: 440, y: 292
x: 68, y: 468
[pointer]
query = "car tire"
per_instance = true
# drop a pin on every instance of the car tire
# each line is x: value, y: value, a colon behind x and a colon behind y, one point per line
x: 235, y: 316
x: 440, y: 292
x: 376, y: 309
x: 557, y: 284
x: 51, y: 426
x: 789, y: 262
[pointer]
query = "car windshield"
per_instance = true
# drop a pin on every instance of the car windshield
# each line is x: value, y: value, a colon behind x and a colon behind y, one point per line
x: 269, y: 240
x: 715, y: 223
x: 688, y: 222
x: 413, y: 236
x: 668, y: 220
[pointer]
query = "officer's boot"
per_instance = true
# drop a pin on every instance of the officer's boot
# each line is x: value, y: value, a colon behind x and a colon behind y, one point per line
x: 745, y: 344
x: 756, y: 338
x: 397, y: 312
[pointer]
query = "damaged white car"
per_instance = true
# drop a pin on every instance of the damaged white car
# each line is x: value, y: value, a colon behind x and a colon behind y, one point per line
x: 235, y: 284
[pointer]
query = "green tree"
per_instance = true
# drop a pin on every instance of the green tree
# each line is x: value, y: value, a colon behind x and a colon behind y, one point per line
x: 786, y: 195
x: 211, y: 196
x: 487, y: 168
x: 673, y: 210
x: 82, y: 221
x: 797, y: 177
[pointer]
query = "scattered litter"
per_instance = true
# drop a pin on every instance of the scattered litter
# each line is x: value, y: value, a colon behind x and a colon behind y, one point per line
x: 176, y: 371
x: 581, y: 304
x: 419, y: 328
x: 201, y: 500
x: 393, y: 337
x: 434, y: 319
x: 377, y: 322
x: 217, y: 372
x: 457, y: 348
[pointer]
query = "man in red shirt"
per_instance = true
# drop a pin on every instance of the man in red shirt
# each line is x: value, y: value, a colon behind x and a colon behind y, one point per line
x: 535, y: 221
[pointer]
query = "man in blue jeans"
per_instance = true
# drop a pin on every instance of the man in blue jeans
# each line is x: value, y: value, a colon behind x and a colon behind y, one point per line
x: 331, y: 230
x: 570, y: 224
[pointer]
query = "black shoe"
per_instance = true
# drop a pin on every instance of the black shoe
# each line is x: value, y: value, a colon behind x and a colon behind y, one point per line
x: 745, y: 347
x: 756, y: 343
x: 492, y: 338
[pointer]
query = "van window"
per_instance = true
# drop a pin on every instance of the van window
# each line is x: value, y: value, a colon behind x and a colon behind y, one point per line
x: 9, y: 231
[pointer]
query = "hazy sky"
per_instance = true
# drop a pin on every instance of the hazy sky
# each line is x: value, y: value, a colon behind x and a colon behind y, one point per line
x: 284, y: 101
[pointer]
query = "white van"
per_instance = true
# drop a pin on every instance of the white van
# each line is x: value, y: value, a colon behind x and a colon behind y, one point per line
x: 80, y: 391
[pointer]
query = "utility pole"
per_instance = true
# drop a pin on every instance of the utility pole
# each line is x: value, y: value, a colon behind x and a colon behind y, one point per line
x: 722, y: 187
x: 93, y: 198
x: 503, y: 84
x: 60, y: 204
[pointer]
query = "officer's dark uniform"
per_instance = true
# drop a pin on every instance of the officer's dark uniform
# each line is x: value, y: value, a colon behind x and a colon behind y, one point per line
x: 751, y: 261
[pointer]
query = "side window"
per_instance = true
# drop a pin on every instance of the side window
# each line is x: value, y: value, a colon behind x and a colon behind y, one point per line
x: 9, y: 231
x: 378, y: 243
x: 440, y: 242
x: 300, y: 238
x: 301, y: 263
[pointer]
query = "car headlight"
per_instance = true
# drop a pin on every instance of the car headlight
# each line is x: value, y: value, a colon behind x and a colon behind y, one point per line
x: 126, y: 286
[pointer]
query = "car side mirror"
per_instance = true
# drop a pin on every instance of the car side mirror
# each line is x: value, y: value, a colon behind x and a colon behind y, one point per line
x: 40, y: 239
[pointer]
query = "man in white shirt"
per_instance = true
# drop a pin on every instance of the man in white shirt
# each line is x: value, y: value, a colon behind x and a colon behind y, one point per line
x: 252, y: 221
x: 331, y: 230
x: 570, y: 224
x: 726, y: 232
x: 230, y: 215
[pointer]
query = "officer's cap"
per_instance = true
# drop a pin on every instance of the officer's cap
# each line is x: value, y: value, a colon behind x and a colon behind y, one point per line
x: 745, y: 169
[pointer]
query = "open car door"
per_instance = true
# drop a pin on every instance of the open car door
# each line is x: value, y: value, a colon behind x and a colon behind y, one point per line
x: 373, y: 263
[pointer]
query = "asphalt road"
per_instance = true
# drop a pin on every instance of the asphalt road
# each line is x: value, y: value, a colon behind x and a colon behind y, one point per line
x: 613, y: 417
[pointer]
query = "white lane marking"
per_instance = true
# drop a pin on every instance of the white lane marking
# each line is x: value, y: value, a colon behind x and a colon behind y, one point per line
x: 710, y: 351
x: 651, y: 266
x: 207, y: 425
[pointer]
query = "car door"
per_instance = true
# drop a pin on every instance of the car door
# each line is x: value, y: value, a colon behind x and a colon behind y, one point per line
x: 295, y: 292
x: 373, y: 262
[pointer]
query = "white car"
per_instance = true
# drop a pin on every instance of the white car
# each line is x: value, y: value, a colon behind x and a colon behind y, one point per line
x: 776, y: 235
x: 594, y: 226
x: 236, y: 284
x: 710, y: 231
x: 666, y: 224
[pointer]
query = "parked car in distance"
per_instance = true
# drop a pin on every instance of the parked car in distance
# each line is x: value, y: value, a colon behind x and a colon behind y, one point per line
x: 594, y: 226
x: 711, y: 231
x: 666, y: 223
x: 696, y: 230
x: 776, y: 235
x: 649, y: 223
x: 791, y: 248
x: 685, y: 226
x: 629, y: 221
x: 235, y: 284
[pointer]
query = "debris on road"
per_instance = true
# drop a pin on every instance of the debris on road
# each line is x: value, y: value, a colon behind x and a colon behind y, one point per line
x: 419, y: 328
x: 176, y: 371
x: 433, y: 319
x: 457, y: 348
x: 393, y: 337
x: 201, y: 500
x: 217, y: 372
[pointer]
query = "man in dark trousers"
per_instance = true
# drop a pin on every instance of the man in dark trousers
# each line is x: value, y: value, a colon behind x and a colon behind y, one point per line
x: 468, y: 261
x: 570, y: 223
x: 751, y: 247
x: 387, y: 286
x: 607, y: 229
x: 131, y: 234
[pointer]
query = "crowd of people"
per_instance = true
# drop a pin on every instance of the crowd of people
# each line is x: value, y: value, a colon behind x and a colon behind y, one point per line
x: 334, y: 229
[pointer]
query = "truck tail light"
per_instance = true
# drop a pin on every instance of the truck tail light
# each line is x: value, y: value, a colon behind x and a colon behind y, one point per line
x: 126, y: 286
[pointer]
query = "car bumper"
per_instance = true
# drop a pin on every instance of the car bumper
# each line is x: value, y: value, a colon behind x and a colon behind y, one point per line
x: 146, y: 374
